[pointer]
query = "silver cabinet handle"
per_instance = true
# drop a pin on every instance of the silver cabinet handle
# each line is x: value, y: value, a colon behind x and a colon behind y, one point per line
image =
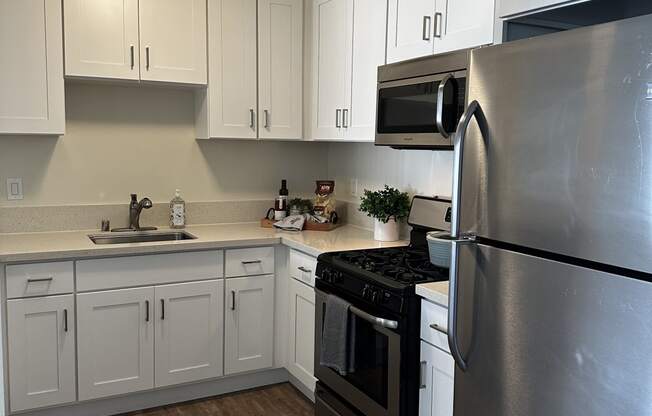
x: 438, y: 24
x: 233, y: 300
x: 147, y: 58
x: 438, y: 328
x: 303, y: 269
x: 245, y: 262
x: 162, y: 309
x: 252, y: 118
x: 385, y: 323
x: 422, y: 374
x: 40, y: 279
x: 65, y: 320
x: 338, y: 112
x: 426, y: 29
x: 131, y: 53
x: 345, y: 118
x: 266, y: 116
x: 146, y: 311
x: 439, y: 117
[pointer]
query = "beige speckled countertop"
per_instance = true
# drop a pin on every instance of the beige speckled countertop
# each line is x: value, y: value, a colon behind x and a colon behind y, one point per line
x: 27, y: 247
x: 436, y: 292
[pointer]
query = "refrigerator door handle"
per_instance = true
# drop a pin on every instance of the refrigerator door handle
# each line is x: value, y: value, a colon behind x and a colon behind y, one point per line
x: 474, y: 110
x: 453, y: 342
x: 439, y: 117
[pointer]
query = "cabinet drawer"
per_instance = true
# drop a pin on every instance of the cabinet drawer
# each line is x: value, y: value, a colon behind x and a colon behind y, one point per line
x: 249, y: 261
x: 39, y: 279
x: 303, y: 267
x: 121, y: 272
x: 436, y: 315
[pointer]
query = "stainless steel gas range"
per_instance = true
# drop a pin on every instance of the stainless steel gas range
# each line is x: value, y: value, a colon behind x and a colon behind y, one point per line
x: 379, y: 285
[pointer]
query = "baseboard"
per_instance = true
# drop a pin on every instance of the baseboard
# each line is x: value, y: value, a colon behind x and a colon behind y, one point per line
x: 165, y: 396
x: 301, y: 387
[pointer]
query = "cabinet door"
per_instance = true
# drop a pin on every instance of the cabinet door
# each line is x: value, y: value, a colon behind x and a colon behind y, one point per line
x: 368, y: 53
x: 464, y: 24
x: 249, y: 324
x: 41, y: 343
x: 438, y: 378
x: 31, y: 67
x: 280, y: 34
x: 232, y: 92
x: 115, y: 342
x: 173, y: 41
x: 189, y: 332
x: 101, y: 38
x: 410, y: 29
x: 302, y: 333
x: 332, y: 28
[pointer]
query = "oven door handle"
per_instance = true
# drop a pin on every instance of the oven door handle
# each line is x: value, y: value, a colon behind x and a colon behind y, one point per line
x: 385, y: 323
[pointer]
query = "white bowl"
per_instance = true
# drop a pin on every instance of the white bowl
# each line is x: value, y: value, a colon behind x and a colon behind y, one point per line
x: 439, y: 247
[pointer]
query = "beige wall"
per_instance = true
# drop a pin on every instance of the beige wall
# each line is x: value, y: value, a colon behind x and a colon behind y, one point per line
x: 123, y: 139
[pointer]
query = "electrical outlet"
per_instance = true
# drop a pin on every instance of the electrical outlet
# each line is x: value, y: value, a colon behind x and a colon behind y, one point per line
x: 14, y: 188
x: 353, y: 186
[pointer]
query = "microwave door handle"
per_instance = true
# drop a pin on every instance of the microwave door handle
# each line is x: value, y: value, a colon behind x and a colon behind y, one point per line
x: 439, y: 116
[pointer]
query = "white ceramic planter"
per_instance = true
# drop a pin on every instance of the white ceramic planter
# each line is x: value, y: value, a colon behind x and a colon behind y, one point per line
x: 386, y: 231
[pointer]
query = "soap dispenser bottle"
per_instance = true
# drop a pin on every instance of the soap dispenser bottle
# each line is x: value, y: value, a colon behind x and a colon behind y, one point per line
x: 177, y: 211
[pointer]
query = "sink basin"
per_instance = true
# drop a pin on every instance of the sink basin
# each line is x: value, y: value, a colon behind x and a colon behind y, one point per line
x: 141, y: 237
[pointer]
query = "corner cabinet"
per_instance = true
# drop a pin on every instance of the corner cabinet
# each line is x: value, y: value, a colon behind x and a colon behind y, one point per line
x: 255, y: 51
x: 347, y: 48
x: 41, y: 351
x: 424, y: 27
x: 31, y: 67
x: 148, y: 40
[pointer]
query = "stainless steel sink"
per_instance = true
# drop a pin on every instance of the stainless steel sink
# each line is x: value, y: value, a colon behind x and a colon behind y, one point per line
x: 141, y: 237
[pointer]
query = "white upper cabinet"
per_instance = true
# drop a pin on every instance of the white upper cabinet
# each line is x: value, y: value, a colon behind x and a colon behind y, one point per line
x: 331, y: 49
x: 101, y: 38
x: 255, y: 70
x: 423, y: 27
x: 249, y: 324
x: 280, y: 52
x: 232, y: 95
x: 31, y: 67
x: 149, y: 40
x: 115, y: 349
x: 41, y: 356
x: 173, y: 41
x: 368, y: 53
x: 189, y: 332
x: 514, y: 7
x: 410, y: 29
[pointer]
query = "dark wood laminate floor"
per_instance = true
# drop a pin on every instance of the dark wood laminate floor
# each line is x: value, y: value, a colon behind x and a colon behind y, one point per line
x: 277, y: 400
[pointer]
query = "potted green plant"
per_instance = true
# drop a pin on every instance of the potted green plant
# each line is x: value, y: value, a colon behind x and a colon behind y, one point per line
x: 387, y: 207
x: 300, y: 206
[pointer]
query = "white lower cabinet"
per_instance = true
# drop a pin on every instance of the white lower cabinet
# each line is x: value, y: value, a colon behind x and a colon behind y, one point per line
x: 188, y: 333
x: 115, y: 342
x: 249, y: 324
x: 438, y: 380
x: 41, y: 351
x: 301, y: 357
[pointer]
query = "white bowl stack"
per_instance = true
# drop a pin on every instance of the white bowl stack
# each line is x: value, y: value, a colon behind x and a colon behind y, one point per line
x: 439, y: 247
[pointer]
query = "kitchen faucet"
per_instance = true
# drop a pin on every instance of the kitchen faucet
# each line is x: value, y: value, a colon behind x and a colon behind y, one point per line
x: 135, y: 208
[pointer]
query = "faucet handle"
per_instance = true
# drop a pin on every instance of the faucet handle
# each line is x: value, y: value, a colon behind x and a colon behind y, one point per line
x: 146, y: 203
x: 134, y: 198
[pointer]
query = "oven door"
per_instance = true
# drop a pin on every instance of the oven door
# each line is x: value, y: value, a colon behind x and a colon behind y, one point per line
x: 420, y: 112
x: 374, y: 388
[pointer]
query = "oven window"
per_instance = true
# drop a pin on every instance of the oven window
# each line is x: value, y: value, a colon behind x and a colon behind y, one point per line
x: 371, y: 362
x: 412, y: 108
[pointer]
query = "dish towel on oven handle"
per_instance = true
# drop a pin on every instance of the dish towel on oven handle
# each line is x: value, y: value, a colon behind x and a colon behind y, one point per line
x: 338, y: 337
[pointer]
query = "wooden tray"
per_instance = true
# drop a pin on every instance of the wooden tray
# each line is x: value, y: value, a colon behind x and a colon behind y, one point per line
x: 308, y: 225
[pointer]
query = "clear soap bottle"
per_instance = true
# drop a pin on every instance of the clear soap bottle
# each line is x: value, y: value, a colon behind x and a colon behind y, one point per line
x: 177, y: 211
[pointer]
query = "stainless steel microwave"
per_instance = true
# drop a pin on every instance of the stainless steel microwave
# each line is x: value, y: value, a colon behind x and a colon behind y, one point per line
x: 420, y: 101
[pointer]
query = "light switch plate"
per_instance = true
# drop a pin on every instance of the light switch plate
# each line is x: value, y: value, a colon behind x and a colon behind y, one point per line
x: 14, y: 188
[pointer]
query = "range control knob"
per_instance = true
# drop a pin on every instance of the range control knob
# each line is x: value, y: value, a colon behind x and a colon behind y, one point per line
x: 374, y: 296
x: 366, y: 291
x: 327, y: 275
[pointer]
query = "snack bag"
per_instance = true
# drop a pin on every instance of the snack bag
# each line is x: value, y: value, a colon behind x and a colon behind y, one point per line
x: 324, y: 204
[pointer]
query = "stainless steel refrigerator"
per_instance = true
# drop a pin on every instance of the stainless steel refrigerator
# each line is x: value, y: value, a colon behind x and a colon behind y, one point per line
x: 551, y: 293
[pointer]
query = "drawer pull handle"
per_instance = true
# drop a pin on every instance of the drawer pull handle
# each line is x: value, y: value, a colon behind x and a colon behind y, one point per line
x: 233, y: 300
x: 422, y: 375
x: 40, y: 279
x: 439, y: 329
x: 146, y: 311
x: 162, y: 309
x: 303, y: 269
x: 252, y: 262
x: 65, y: 320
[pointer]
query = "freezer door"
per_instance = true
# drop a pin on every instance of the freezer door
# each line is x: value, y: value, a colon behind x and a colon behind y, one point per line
x: 567, y: 164
x: 543, y: 338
